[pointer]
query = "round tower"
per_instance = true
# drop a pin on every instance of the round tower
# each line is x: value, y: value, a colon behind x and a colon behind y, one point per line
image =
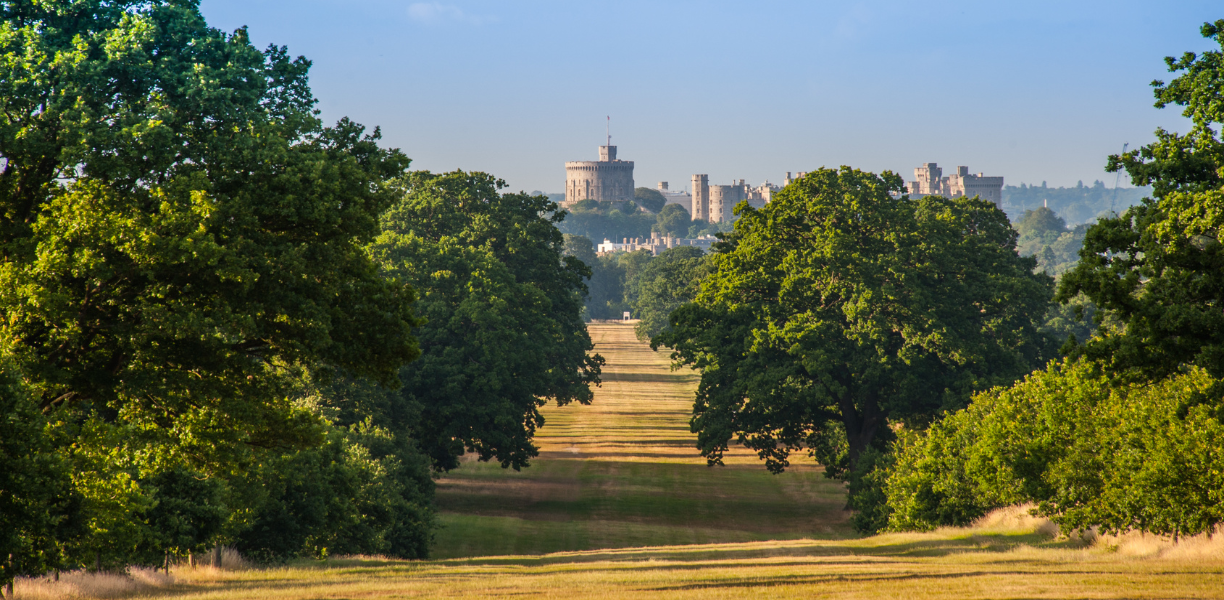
x: 604, y: 180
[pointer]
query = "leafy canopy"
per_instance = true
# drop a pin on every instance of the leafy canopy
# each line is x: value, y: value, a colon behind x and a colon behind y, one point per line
x: 669, y: 280
x: 838, y: 309
x: 1088, y: 449
x: 178, y: 233
x: 649, y: 199
x: 1129, y: 435
x: 1159, y: 267
x: 673, y: 220
x: 174, y: 220
x: 502, y: 331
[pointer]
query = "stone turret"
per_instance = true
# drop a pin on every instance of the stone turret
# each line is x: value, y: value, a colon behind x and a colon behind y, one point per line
x: 701, y: 197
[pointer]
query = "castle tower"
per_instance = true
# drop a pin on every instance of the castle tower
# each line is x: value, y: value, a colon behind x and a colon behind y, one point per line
x: 604, y: 180
x: 929, y: 181
x: 701, y: 197
x: 722, y: 201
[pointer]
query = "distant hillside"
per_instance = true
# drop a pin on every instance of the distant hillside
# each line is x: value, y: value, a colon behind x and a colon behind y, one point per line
x: 1079, y: 204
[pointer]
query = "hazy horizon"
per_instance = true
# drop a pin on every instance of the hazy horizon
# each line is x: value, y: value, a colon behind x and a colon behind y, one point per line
x: 1039, y: 93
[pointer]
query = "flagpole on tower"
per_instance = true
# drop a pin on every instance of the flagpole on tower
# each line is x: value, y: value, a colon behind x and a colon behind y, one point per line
x: 609, y: 130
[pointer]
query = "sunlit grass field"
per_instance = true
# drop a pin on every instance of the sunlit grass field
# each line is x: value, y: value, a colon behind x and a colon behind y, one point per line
x: 619, y: 505
x: 1000, y: 562
x: 624, y: 472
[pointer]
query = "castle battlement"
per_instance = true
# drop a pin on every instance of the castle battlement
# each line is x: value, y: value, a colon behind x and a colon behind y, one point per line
x: 929, y: 181
x: 603, y: 180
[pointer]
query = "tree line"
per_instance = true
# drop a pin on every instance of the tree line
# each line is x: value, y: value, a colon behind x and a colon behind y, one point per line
x: 615, y: 221
x: 648, y: 287
x: 226, y: 323
x: 1126, y: 432
x: 909, y: 347
x: 1079, y: 204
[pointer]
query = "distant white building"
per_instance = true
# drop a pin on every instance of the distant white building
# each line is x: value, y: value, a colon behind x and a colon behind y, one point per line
x: 655, y: 244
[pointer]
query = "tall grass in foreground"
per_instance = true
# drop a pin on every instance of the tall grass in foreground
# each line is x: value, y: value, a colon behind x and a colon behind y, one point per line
x: 80, y: 584
x: 1003, y: 553
x: 134, y: 581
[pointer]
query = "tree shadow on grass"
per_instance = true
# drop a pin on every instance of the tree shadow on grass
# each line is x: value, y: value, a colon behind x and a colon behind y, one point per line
x: 917, y: 549
x: 669, y: 378
x: 778, y: 580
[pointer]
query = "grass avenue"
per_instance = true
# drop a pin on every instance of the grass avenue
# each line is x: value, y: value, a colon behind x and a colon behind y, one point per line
x: 618, y: 505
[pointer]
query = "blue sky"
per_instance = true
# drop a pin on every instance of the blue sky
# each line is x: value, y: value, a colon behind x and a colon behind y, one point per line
x: 1032, y: 91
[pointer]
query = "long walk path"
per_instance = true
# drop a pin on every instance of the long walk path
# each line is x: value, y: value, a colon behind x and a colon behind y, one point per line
x: 624, y: 472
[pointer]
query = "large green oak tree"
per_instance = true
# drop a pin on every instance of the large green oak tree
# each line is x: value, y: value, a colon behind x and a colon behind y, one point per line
x: 842, y: 309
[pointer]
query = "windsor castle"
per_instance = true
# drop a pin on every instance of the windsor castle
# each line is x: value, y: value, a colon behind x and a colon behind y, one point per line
x: 611, y: 180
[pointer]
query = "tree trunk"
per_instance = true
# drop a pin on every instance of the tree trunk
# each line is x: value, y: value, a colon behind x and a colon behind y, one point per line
x: 862, y: 423
x: 190, y: 559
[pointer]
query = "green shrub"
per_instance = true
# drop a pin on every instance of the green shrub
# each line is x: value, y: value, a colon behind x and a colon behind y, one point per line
x: 1088, y: 449
x: 361, y: 492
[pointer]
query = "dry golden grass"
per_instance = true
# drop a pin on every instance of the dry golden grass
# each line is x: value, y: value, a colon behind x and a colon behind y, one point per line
x: 619, y: 506
x: 624, y: 472
x: 79, y: 584
x: 1007, y: 555
x: 135, y: 581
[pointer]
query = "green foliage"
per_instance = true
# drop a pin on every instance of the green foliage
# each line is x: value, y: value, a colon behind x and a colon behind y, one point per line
x: 663, y: 284
x: 836, y: 310
x: 606, y: 289
x: 866, y: 486
x: 187, y: 515
x: 1131, y: 434
x: 673, y: 220
x: 1088, y: 449
x: 614, y: 221
x: 1072, y: 322
x: 503, y: 331
x: 1079, y: 204
x: 1040, y: 223
x: 610, y: 276
x: 1045, y: 235
x: 179, y: 237
x: 37, y: 505
x: 580, y: 248
x: 1159, y: 268
x: 700, y: 228
x: 176, y: 224
x: 363, y: 491
x: 649, y: 199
